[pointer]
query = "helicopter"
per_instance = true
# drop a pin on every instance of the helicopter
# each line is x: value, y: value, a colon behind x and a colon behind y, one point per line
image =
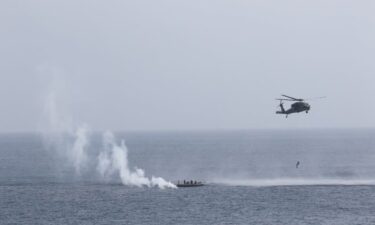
x: 299, y: 106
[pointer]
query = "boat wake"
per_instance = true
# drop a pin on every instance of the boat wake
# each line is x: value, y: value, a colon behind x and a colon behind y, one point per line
x: 293, y: 182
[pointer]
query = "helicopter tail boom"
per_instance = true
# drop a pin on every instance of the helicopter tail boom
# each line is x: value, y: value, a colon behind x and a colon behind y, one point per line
x: 282, y: 109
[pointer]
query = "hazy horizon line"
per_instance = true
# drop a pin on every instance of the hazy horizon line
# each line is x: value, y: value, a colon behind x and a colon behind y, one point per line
x: 195, y: 130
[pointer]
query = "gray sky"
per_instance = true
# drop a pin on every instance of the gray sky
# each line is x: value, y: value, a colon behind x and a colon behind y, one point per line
x: 207, y: 64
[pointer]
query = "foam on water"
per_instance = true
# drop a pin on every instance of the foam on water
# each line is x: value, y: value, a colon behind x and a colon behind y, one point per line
x: 293, y: 182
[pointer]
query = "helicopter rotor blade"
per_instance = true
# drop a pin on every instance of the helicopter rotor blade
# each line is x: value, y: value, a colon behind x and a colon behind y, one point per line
x: 294, y: 99
x: 284, y: 99
x: 316, y: 98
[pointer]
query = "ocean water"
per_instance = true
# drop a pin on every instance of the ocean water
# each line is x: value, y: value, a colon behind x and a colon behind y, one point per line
x: 251, y: 178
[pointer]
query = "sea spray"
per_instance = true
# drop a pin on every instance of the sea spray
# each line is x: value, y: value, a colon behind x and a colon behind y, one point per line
x: 292, y: 182
x: 113, y: 161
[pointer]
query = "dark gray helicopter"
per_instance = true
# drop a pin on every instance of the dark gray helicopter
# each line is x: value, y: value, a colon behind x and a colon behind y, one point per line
x: 299, y: 106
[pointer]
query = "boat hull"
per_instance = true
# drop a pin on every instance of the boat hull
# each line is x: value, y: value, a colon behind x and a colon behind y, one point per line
x: 189, y: 185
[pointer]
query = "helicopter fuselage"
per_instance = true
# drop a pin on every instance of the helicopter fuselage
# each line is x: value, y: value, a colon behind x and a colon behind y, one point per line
x: 300, y: 107
x: 295, y: 108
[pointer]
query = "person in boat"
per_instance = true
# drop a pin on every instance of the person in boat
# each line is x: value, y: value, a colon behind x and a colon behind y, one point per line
x: 297, y: 164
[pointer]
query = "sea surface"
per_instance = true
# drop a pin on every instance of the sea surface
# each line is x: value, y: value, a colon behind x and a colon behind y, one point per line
x: 250, y: 176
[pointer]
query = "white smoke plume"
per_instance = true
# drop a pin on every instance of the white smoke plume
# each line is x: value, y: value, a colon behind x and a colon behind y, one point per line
x: 71, y: 144
x: 113, y: 161
x: 78, y: 153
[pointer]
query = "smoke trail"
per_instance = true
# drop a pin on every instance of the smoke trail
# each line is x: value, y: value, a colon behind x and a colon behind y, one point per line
x: 111, y: 161
x: 57, y: 128
x: 114, y: 161
x: 78, y: 152
x: 72, y: 146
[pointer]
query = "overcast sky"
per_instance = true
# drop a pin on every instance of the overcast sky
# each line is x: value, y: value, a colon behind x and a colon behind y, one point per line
x: 176, y: 65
